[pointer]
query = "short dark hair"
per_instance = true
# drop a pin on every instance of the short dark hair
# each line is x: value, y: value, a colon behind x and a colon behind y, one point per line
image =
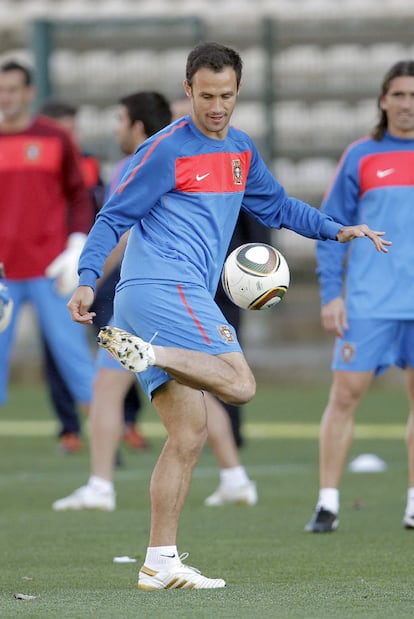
x: 213, y: 56
x: 150, y: 107
x: 13, y: 65
x: 399, y: 69
x: 58, y: 109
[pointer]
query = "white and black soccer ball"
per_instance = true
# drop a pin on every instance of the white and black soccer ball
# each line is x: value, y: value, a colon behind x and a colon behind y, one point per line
x: 255, y: 276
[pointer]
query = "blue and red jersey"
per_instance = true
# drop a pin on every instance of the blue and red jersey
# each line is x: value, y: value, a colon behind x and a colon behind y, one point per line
x: 43, y: 198
x: 374, y: 184
x: 181, y: 197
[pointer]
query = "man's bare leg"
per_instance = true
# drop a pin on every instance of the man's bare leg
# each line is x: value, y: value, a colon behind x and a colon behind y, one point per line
x: 337, y: 425
x: 106, y: 419
x: 183, y: 413
x: 335, y: 439
x: 235, y: 485
x: 227, y: 376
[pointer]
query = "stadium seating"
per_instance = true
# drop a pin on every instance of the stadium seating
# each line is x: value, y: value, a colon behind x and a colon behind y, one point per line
x: 325, y: 64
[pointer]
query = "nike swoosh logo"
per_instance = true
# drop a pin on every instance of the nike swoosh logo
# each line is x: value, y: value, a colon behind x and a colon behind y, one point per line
x: 168, y: 556
x: 383, y: 173
x: 200, y: 177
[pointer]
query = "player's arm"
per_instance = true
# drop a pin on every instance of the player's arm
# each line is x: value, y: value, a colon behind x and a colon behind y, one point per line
x: 341, y: 203
x: 139, y: 190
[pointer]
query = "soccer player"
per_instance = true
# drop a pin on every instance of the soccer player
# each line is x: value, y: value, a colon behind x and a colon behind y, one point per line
x: 46, y: 214
x: 64, y: 405
x: 181, y: 198
x: 374, y: 321
x: 140, y: 115
x: 69, y: 436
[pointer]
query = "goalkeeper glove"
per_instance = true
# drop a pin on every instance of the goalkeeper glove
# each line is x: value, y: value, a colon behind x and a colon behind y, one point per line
x: 6, y: 304
x: 64, y: 268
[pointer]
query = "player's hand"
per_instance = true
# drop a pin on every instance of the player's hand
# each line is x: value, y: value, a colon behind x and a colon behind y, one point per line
x: 333, y: 316
x: 347, y: 233
x: 80, y: 303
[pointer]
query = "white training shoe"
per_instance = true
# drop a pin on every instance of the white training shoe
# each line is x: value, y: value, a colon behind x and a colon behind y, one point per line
x: 408, y: 521
x: 177, y: 577
x: 242, y: 495
x: 129, y: 350
x: 87, y: 497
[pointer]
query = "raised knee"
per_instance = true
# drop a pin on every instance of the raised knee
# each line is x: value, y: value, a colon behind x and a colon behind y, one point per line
x: 243, y: 391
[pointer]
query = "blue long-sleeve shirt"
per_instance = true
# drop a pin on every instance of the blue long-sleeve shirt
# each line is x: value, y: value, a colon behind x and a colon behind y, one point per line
x: 374, y: 184
x: 181, y: 197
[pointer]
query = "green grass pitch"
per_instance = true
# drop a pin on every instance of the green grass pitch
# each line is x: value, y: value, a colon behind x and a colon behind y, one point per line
x: 273, y: 568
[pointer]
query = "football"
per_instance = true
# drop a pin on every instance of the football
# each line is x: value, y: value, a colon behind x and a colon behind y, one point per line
x: 255, y: 276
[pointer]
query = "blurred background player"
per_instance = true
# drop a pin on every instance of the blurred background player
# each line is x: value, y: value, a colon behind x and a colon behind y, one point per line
x: 140, y: 115
x: 70, y: 434
x: 40, y: 237
x: 374, y: 321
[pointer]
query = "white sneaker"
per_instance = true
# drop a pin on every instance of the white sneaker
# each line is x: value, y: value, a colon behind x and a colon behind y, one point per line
x: 86, y: 497
x: 242, y: 495
x: 177, y: 577
x: 408, y: 521
x: 129, y: 350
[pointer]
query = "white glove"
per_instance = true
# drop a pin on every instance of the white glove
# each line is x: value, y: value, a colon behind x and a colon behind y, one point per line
x: 6, y: 304
x: 64, y: 268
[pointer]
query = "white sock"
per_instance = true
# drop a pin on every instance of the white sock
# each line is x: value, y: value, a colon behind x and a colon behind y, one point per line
x: 328, y: 499
x: 161, y: 557
x: 410, y: 502
x: 234, y: 477
x: 100, y: 484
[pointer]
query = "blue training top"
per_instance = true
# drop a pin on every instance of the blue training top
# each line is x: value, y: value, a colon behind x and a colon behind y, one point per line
x: 181, y: 197
x: 374, y: 184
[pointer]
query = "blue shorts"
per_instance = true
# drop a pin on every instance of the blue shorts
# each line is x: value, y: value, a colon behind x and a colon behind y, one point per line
x: 177, y: 315
x: 374, y: 344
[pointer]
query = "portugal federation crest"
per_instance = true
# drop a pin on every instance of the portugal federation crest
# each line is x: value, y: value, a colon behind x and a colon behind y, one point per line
x: 237, y: 172
x: 226, y: 333
x: 348, y: 352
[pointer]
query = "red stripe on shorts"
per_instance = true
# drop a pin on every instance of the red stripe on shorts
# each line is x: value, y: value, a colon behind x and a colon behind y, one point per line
x: 193, y: 316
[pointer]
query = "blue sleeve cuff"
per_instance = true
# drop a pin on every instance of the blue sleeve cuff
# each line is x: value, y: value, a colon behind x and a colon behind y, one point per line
x: 87, y: 277
x: 330, y: 291
x: 330, y: 229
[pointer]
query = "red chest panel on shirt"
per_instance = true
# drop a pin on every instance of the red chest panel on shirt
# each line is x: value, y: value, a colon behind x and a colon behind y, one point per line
x: 25, y: 152
x: 213, y: 172
x: 391, y: 169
